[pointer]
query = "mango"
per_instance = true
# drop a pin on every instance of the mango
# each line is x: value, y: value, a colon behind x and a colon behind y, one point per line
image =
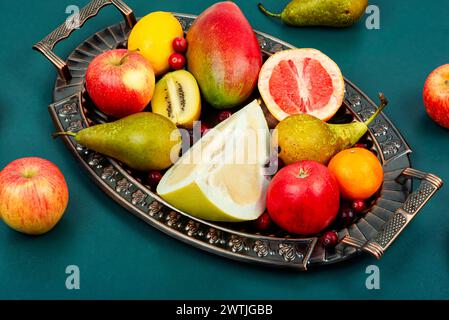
x: 223, y: 55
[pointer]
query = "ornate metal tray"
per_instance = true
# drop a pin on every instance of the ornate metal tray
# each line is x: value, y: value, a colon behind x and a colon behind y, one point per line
x: 390, y: 212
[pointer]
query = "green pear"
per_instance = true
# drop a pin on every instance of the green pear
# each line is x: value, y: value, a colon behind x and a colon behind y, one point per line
x: 144, y: 141
x: 330, y: 13
x: 305, y: 137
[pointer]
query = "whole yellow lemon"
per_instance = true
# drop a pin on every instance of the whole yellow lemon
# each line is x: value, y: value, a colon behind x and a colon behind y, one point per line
x: 153, y: 36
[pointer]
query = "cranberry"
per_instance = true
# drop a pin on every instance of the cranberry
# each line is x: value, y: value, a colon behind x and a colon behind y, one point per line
x: 222, y: 116
x: 204, y: 128
x: 154, y: 177
x: 358, y: 206
x: 263, y: 222
x: 361, y: 145
x: 329, y: 239
x: 347, y: 215
x: 179, y: 44
x: 177, y: 61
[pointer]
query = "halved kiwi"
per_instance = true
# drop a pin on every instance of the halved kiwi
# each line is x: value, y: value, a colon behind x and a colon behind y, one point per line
x: 177, y: 97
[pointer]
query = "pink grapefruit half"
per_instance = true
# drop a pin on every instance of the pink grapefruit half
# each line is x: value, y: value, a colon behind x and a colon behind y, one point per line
x: 301, y: 81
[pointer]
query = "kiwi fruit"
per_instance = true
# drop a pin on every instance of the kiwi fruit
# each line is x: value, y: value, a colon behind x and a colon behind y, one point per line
x: 177, y: 97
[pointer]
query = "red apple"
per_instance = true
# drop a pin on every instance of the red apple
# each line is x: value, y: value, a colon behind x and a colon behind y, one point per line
x: 436, y: 95
x: 33, y: 195
x: 120, y: 82
x: 303, y: 198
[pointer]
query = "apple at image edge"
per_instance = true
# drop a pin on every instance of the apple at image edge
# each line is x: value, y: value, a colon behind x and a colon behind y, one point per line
x: 33, y: 195
x: 436, y: 95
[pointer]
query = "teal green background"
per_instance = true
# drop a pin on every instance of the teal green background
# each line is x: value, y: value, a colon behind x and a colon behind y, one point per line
x: 121, y: 257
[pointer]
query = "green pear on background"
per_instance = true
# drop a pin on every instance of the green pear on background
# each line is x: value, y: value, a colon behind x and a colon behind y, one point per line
x: 330, y: 13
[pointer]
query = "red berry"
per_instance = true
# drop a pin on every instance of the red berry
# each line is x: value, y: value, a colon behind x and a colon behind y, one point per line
x: 177, y: 61
x: 204, y: 128
x: 358, y: 206
x: 154, y: 177
x: 329, y: 239
x: 179, y: 44
x: 347, y: 215
x: 222, y: 116
x: 361, y: 145
x: 263, y: 222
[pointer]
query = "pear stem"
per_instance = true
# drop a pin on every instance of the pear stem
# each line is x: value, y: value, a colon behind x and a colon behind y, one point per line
x: 268, y: 13
x: 383, y: 104
x: 58, y: 134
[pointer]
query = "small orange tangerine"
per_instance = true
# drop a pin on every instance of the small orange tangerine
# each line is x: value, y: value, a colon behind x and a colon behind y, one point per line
x: 358, y: 172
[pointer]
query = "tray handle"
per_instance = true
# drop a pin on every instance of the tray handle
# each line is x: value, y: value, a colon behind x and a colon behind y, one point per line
x: 46, y: 45
x: 401, y: 218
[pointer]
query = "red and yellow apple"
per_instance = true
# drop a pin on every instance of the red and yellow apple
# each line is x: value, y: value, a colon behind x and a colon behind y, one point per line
x: 303, y: 198
x: 436, y: 95
x: 120, y: 82
x: 33, y: 195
